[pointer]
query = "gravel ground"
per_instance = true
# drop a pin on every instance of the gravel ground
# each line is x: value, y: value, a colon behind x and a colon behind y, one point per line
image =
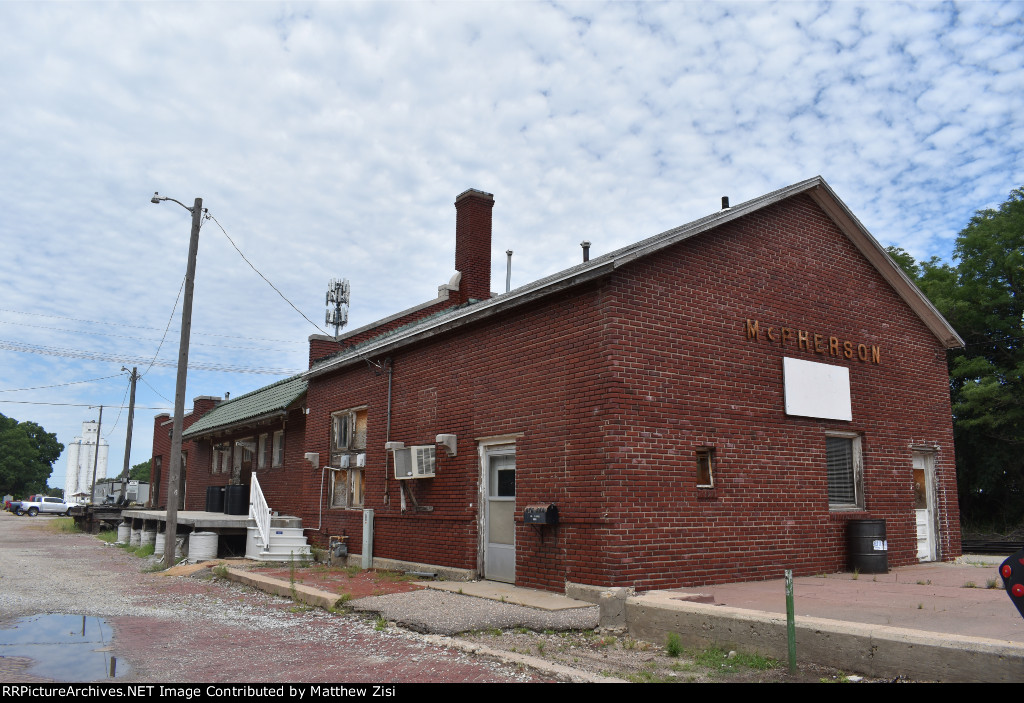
x: 174, y: 629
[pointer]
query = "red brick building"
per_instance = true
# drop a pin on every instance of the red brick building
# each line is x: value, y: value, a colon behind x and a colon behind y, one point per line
x: 712, y: 403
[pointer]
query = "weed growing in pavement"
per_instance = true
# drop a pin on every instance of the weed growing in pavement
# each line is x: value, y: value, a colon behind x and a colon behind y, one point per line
x: 840, y: 677
x: 856, y: 573
x: 920, y: 606
x: 494, y: 632
x: 540, y: 647
x: 673, y: 644
x: 340, y: 606
x: 380, y: 624
x: 352, y: 570
x: 395, y: 576
x: 220, y: 571
x: 291, y: 578
x: 731, y: 662
x: 991, y: 583
x: 925, y: 583
x: 969, y: 584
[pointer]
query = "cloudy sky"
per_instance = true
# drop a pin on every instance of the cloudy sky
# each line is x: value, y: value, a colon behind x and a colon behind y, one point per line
x: 330, y: 140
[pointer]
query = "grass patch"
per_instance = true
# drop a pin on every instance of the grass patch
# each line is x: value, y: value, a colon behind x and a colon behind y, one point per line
x: 352, y: 570
x: 719, y: 661
x: 144, y: 551
x: 395, y: 576
x: 380, y: 624
x: 64, y: 524
x: 108, y: 536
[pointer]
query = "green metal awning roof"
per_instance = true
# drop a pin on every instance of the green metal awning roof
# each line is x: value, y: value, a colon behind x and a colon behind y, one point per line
x: 261, y: 403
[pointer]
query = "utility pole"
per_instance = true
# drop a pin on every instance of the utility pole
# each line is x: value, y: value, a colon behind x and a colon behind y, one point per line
x: 128, y: 442
x: 174, y: 475
x: 96, y: 459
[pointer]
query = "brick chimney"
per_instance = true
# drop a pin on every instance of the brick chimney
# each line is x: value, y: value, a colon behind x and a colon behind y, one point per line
x: 473, y: 244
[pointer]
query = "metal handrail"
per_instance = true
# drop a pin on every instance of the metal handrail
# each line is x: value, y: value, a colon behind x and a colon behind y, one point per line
x: 259, y: 511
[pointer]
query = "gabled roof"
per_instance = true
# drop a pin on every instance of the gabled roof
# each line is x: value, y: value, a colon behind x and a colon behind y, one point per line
x: 263, y: 403
x: 603, y: 265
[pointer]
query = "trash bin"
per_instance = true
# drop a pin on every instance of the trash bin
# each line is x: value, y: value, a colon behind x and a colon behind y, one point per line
x: 215, y: 499
x: 867, y: 546
x: 236, y: 500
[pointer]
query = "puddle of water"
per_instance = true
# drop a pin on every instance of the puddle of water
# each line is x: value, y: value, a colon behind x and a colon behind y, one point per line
x: 63, y: 647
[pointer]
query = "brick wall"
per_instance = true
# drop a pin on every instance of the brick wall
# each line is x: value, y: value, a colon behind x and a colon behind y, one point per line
x: 193, y: 453
x: 612, y: 387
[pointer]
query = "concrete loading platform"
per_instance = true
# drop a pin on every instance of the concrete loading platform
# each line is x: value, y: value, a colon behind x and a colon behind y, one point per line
x: 236, y: 534
x: 934, y: 621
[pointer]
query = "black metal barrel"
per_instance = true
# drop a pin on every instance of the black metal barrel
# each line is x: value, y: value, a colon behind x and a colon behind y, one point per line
x: 868, y: 547
x: 215, y: 499
x: 236, y: 500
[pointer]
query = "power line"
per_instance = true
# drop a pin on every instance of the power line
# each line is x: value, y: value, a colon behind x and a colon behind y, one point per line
x: 138, y: 361
x: 58, y: 385
x: 317, y: 327
x: 143, y: 379
x: 169, y: 319
x: 143, y: 327
x: 140, y: 339
x: 119, y: 410
x: 81, y: 405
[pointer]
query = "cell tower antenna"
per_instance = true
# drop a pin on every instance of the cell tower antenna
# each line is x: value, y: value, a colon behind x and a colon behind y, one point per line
x: 338, y: 292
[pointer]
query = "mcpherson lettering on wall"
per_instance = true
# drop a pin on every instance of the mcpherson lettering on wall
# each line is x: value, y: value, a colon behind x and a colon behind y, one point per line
x: 815, y: 343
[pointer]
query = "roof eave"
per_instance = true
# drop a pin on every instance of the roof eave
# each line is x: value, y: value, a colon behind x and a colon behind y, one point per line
x: 857, y: 233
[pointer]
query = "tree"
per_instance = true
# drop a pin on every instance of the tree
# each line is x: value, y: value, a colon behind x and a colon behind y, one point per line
x: 982, y: 296
x: 27, y: 453
x: 139, y: 472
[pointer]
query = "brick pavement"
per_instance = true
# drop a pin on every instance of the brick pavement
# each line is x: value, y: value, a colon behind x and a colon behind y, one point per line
x: 175, y: 629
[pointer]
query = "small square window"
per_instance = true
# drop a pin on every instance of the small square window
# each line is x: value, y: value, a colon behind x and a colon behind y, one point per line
x: 705, y: 468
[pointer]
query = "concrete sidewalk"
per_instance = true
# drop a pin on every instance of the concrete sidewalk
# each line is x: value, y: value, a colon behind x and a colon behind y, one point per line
x: 935, y: 621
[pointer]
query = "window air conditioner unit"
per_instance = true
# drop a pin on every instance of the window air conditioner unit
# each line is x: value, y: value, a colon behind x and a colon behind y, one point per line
x: 414, y: 462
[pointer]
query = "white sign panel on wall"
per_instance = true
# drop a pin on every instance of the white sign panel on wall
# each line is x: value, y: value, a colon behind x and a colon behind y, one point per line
x: 817, y: 390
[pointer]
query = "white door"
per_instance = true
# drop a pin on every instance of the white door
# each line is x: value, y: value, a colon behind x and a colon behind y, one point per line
x: 924, y: 505
x: 499, y: 515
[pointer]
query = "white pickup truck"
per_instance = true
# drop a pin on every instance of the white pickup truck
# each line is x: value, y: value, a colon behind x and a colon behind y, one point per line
x: 44, y: 505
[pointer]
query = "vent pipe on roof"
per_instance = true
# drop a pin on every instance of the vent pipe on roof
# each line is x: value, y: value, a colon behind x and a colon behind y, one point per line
x: 725, y: 202
x: 508, y: 271
x: 227, y: 395
x: 586, y: 250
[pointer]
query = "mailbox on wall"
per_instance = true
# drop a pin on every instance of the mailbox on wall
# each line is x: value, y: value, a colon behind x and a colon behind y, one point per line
x: 540, y: 514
